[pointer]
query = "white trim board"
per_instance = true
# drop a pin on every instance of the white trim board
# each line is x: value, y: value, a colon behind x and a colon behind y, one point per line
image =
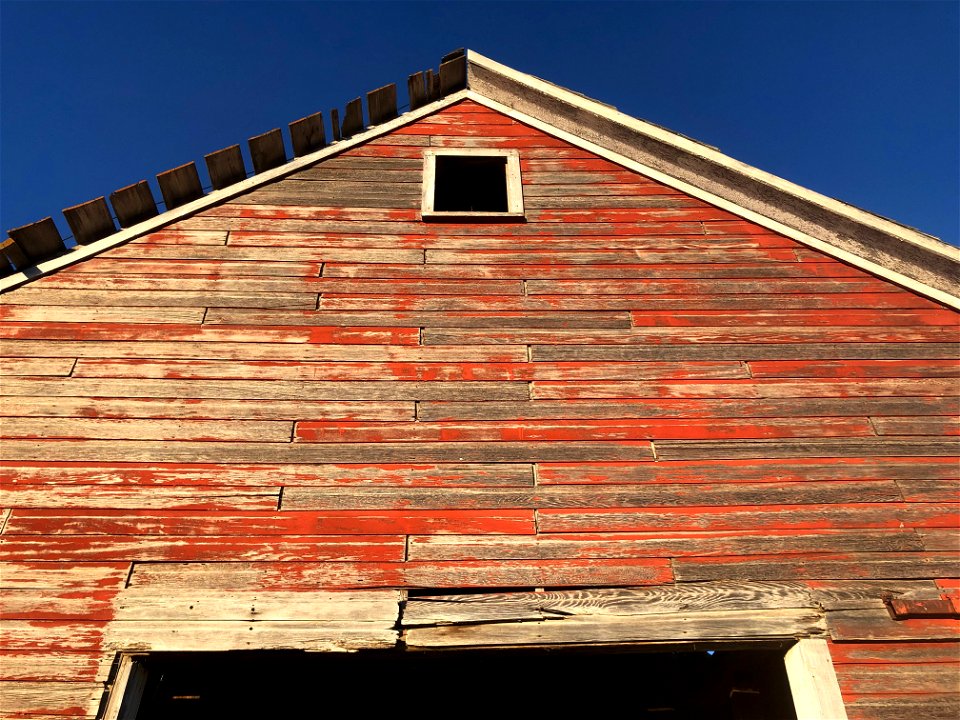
x: 775, y: 226
x: 862, y: 236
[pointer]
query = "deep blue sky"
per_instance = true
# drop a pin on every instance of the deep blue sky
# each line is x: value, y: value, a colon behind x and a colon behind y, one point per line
x: 858, y: 101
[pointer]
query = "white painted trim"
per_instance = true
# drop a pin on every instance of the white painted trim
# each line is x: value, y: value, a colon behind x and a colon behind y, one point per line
x: 813, y: 682
x: 514, y: 185
x: 126, y: 692
x: 82, y: 252
x: 682, y: 186
x: 705, y: 151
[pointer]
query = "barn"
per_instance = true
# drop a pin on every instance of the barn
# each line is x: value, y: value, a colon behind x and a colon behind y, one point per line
x: 510, y: 386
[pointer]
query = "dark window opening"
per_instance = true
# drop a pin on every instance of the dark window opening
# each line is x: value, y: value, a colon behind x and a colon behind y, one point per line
x: 470, y: 184
x: 720, y: 685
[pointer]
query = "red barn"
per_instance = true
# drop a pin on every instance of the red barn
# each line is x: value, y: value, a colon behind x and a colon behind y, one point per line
x: 510, y: 382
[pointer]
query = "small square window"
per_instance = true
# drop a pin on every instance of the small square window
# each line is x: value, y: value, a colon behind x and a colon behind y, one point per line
x: 471, y: 184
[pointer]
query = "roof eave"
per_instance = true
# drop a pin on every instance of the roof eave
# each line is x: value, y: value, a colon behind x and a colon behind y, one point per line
x: 909, y: 257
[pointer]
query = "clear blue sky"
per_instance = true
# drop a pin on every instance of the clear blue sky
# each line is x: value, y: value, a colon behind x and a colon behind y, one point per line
x: 857, y: 100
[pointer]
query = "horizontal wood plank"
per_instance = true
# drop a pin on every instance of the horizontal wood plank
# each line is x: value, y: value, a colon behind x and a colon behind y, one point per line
x: 131, y: 474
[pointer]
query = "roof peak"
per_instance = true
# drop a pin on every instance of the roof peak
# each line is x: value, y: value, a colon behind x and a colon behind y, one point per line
x: 884, y: 247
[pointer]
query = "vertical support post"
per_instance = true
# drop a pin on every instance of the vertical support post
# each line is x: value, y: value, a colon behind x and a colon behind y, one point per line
x: 813, y: 682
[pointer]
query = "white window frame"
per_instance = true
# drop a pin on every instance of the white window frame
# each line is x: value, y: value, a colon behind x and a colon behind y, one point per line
x: 514, y: 186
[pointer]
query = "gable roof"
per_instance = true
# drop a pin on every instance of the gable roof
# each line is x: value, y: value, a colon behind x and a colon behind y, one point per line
x: 880, y: 246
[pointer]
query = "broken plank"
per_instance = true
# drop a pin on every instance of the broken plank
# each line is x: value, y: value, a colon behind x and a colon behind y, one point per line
x: 673, y: 627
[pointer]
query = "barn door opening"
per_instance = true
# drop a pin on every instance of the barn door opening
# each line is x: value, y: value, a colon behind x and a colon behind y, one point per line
x: 721, y: 683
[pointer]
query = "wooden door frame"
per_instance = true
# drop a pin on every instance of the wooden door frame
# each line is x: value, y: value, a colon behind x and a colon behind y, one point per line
x: 810, y: 674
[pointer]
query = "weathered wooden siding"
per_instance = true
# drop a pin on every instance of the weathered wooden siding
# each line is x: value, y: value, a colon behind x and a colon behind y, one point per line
x: 308, y: 389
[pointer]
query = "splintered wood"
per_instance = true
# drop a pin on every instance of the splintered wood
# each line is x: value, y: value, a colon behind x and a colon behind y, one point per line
x: 254, y: 428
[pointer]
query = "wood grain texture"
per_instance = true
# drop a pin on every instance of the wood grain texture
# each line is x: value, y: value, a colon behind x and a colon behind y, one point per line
x: 876, y: 624
x: 714, y: 625
x: 936, y: 706
x: 266, y: 389
x: 313, y: 453
x: 266, y: 424
x: 129, y: 474
x: 676, y: 545
x: 776, y: 517
x: 240, y: 523
x: 657, y: 600
x: 62, y: 699
x: 182, y: 498
x: 894, y: 653
x: 479, y: 574
x: 557, y: 496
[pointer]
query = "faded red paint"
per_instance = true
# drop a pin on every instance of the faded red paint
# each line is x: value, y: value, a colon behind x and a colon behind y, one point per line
x: 637, y: 319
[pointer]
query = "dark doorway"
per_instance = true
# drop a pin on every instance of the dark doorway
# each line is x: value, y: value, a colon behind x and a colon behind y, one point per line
x: 716, y: 685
